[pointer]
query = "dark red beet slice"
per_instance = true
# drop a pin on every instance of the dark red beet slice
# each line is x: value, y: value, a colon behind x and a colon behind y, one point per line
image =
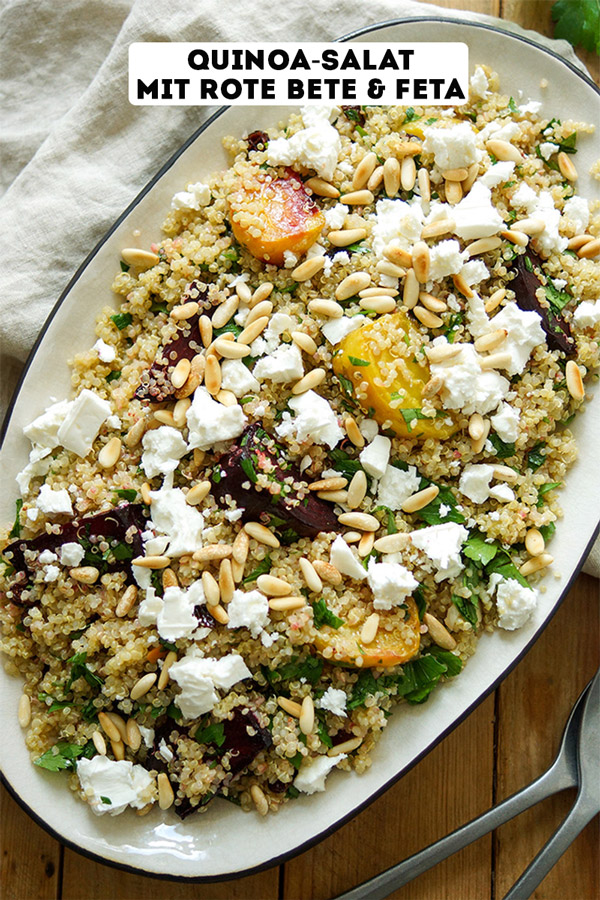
x: 525, y: 284
x: 156, y: 383
x: 291, y: 513
x: 258, y: 140
x: 118, y: 524
x: 205, y: 620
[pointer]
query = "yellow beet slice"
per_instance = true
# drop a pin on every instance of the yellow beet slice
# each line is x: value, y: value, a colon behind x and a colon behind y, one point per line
x: 367, y: 355
x: 397, y: 639
x: 272, y: 216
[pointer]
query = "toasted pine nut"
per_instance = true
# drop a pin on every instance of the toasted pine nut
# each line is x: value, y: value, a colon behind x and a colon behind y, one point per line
x: 196, y: 494
x: 110, y: 453
x: 84, y: 574
x: 307, y: 269
x: 166, y: 797
x: 139, y: 259
x: 261, y: 534
x: 211, y: 589
x: 163, y: 678
x: 353, y: 431
x: 24, y: 711
x: 206, y: 330
x: 99, y: 743
x: 365, y: 545
x: 477, y: 443
x: 437, y: 228
x: 327, y: 572
x: 378, y: 292
x: 180, y: 412
x: 352, y: 284
x: 392, y: 543
x: 397, y: 256
x: 260, y: 801
x: 364, y: 170
x: 226, y: 398
x: 261, y: 293
x: 237, y: 570
x: 134, y: 735
x: 322, y: 188
x: 345, y: 746
x: 424, y: 183
x: 379, y: 305
x: 369, y: 629
x: 309, y: 573
x: 240, y: 547
x: 410, y: 294
x: 212, y: 375
x: 495, y: 300
x: 328, y: 308
x: 225, y: 311
x: 347, y: 237
x: 307, y: 715
x: 408, y: 173
x: 118, y: 749
x: 219, y: 615
x: 589, y: 250
x: 230, y: 349
x: 574, y: 380
x: 328, y: 484
x: 496, y: 361
x: 484, y: 245
x: 472, y: 171
x: 433, y: 303
x: 213, y: 553
x: 566, y: 166
x: 286, y: 604
x: 442, y: 353
x: 455, y: 174
x: 165, y: 417
x: 169, y: 579
x: 358, y: 198
x: 575, y: 243
x: 391, y: 176
x: 262, y: 310
x: 180, y: 373
x: 534, y: 542
x: 428, y: 318
x: 185, y: 311
x: 420, y: 499
x: 530, y: 226
x: 146, y: 493
x: 505, y: 473
x: 407, y: 148
x: 375, y: 180
x: 142, y: 686
x: 226, y: 581
x: 310, y: 381
x: 357, y: 489
x: 290, y: 706
x: 439, y: 633
x: 252, y: 331
x: 461, y: 285
x: 333, y: 496
x: 476, y: 426
x: 536, y: 564
x: 490, y: 341
x: 433, y: 386
x: 273, y: 587
x: 352, y: 537
x: 360, y: 521
x: 108, y: 726
x: 136, y: 432
x: 516, y: 237
x: 151, y: 562
x: 421, y: 261
x: 304, y: 341
x: 504, y: 151
x: 454, y: 192
x: 243, y: 292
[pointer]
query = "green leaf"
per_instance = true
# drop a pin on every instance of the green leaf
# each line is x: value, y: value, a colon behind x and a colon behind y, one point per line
x: 454, y: 323
x: 309, y: 668
x: 63, y: 756
x: 346, y: 384
x: 128, y: 494
x: 124, y: 266
x: 324, y: 616
x: 324, y: 735
x: 547, y: 530
x: 410, y: 416
x: 578, y: 21
x: 503, y: 448
x: 231, y: 254
x: 248, y: 469
x: 212, y: 734
x: 513, y: 106
x: 391, y: 518
x: 365, y: 686
x: 358, y: 362
x: 289, y: 289
x: 122, y: 320
x: 544, y: 489
x: 80, y: 669
x: 431, y: 120
x: 410, y: 115
x: 419, y: 598
x: 352, y: 114
x: 419, y: 677
x: 503, y: 565
x: 112, y: 376
x: 569, y: 144
x: 478, y: 549
x: 431, y: 513
x: 361, y: 131
x: 159, y: 308
x: 262, y: 568
x: 106, y: 800
x: 296, y: 761
x: 357, y: 247
x: 15, y: 531
x: 467, y: 608
x: 557, y: 299
x: 344, y: 464
x: 535, y: 457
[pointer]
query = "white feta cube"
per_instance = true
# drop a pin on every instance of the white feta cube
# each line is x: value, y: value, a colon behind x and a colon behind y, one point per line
x: 375, y: 456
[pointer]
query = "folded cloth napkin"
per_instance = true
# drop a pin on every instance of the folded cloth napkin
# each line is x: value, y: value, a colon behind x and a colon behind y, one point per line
x: 74, y: 152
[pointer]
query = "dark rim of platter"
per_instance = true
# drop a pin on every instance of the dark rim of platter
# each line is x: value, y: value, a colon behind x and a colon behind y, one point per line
x: 277, y: 860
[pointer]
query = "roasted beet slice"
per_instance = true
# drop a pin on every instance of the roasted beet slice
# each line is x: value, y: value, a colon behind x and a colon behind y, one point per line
x: 156, y: 382
x: 205, y: 620
x: 258, y: 140
x: 292, y: 512
x: 525, y: 284
x: 244, y: 739
x: 354, y: 114
x: 124, y: 524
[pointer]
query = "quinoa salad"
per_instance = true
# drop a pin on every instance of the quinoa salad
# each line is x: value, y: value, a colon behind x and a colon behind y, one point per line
x: 313, y: 456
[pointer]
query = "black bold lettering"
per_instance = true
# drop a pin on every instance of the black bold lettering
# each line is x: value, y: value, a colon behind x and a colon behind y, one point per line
x: 198, y: 59
x: 144, y: 89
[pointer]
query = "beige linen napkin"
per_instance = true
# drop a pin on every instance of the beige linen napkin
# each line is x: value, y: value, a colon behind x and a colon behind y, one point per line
x: 74, y: 152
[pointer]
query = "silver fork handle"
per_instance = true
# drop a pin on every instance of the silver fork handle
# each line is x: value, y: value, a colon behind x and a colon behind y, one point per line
x: 579, y: 816
x: 379, y: 887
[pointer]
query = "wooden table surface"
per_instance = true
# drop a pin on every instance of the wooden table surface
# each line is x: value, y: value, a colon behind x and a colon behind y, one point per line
x: 509, y: 740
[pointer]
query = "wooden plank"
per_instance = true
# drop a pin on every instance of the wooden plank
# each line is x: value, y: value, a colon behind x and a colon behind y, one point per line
x: 30, y: 857
x: 450, y: 786
x: 534, y: 704
x: 102, y: 882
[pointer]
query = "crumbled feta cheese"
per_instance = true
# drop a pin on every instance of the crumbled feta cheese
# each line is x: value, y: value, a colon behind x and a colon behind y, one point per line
x: 541, y: 206
x: 314, y: 421
x: 210, y: 422
x: 119, y: 781
x: 453, y: 147
x: 234, y: 515
x: 498, y: 130
x: 248, y: 609
x: 475, y: 482
x: 587, y: 314
x: 524, y: 197
x: 442, y: 543
x: 51, y: 573
x: 497, y: 174
x: 284, y: 365
x: 532, y: 106
x: 173, y: 613
x: 269, y: 340
x: 198, y: 677
x: 105, y: 352
x: 576, y: 209
x: 515, y: 603
x: 47, y: 556
x: 147, y: 736
x: 312, y: 773
x: 477, y: 318
x: 342, y: 557
x: 391, y: 583
x: 397, y: 223
x: 290, y: 260
x: 38, y: 465
x: 113, y: 422
x: 547, y: 149
x: 474, y: 272
x: 163, y: 448
x: 475, y: 216
x: 502, y: 492
x: 466, y: 386
x: 444, y: 510
x: 376, y: 455
x: 165, y: 751
x: 341, y: 258
x: 479, y: 83
x: 71, y: 554
x: 54, y: 503
x: 32, y: 513
x: 559, y: 283
x: 525, y: 332
x: 336, y: 216
x: 85, y: 416
x: 196, y: 196
x: 506, y: 423
x: 446, y: 258
x: 43, y: 431
x: 397, y: 485
x: 333, y: 700
x: 172, y: 516
x: 335, y: 330
x: 317, y: 146
x: 238, y: 378
x: 369, y: 429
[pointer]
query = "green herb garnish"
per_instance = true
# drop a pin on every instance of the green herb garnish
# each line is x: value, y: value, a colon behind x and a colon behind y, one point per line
x: 324, y: 616
x: 262, y: 568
